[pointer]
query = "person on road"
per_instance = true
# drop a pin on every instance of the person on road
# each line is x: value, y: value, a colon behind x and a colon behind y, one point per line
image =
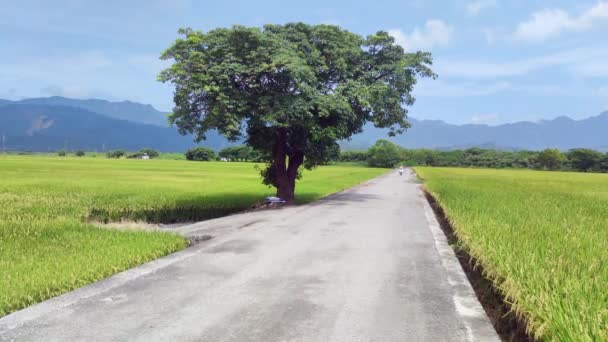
x: 401, y: 170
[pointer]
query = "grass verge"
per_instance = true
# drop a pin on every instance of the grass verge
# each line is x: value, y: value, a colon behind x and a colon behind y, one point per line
x: 541, y: 239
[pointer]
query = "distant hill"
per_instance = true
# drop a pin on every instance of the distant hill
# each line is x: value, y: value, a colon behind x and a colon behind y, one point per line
x: 44, y: 124
x: 125, y: 110
x: 563, y: 133
x: 35, y: 127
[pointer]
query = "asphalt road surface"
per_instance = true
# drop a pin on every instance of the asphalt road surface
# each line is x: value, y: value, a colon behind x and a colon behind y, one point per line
x: 367, y: 264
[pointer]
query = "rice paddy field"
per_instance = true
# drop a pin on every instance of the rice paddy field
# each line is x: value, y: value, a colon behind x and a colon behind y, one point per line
x: 49, y: 244
x: 541, y: 237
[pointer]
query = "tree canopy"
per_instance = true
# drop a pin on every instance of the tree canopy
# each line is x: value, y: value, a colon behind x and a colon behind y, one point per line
x: 550, y: 158
x: 383, y: 154
x: 200, y: 154
x: 291, y: 91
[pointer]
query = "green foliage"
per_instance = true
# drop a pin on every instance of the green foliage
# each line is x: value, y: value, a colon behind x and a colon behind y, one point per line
x: 540, y: 236
x: 201, y: 154
x: 48, y: 247
x: 383, y: 154
x: 291, y: 90
x: 80, y: 153
x: 150, y: 152
x: 116, y: 154
x: 604, y: 163
x: 584, y: 159
x: 61, y: 153
x: 240, y: 153
x: 353, y: 156
x: 550, y: 159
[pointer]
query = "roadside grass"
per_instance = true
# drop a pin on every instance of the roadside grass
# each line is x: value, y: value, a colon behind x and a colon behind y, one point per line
x: 48, y: 246
x: 541, y: 237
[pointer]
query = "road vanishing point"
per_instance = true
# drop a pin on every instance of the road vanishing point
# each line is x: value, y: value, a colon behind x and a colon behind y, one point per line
x: 366, y: 264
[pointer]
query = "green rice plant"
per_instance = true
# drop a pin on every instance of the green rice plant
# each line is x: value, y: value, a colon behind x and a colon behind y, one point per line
x: 541, y: 237
x: 49, y: 243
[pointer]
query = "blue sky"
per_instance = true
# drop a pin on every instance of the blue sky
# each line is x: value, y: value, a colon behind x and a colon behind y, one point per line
x: 498, y: 61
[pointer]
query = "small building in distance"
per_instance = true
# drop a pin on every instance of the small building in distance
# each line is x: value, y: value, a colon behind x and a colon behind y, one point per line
x: 145, y: 156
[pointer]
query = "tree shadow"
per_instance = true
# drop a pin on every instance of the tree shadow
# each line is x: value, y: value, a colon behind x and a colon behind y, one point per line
x: 198, y: 208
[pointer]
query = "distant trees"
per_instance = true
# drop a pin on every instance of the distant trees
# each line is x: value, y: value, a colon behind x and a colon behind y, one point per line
x: 201, y: 154
x: 353, y: 156
x: 150, y: 152
x: 80, y: 153
x: 604, y: 163
x: 239, y: 153
x: 147, y: 151
x: 550, y: 159
x: 61, y: 153
x: 383, y: 154
x: 584, y: 159
x: 579, y: 159
x: 116, y: 154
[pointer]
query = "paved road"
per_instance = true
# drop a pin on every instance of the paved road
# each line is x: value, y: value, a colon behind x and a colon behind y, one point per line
x: 368, y: 264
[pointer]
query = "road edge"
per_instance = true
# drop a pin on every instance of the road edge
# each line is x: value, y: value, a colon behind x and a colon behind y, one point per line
x: 474, y: 318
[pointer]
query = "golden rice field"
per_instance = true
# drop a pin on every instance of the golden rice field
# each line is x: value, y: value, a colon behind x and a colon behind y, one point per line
x: 48, y: 245
x: 542, y: 237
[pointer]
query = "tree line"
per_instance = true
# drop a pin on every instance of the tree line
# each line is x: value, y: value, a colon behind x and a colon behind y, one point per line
x: 387, y: 154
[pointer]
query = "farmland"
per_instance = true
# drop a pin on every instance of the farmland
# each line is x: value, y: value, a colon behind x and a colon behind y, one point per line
x: 48, y: 244
x: 541, y: 237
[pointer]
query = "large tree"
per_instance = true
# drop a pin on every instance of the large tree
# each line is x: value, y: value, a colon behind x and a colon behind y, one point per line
x: 291, y: 91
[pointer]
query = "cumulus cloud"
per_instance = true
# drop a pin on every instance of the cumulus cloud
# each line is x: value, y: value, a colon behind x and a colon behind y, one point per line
x: 434, y: 33
x: 549, y: 23
x: 475, y: 7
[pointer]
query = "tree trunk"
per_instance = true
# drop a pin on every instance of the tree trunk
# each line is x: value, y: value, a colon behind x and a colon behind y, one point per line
x: 285, y: 174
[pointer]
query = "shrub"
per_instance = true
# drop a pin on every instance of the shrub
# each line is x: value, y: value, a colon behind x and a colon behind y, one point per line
x: 61, y: 153
x: 238, y: 153
x: 201, y: 154
x: 116, y: 154
x: 150, y: 152
x: 80, y: 153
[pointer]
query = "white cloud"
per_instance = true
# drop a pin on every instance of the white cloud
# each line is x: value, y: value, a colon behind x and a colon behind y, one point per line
x: 484, y: 118
x: 587, y: 62
x: 475, y: 7
x: 434, y: 33
x: 549, y: 23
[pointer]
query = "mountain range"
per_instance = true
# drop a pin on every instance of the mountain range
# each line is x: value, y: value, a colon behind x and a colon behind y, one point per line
x: 562, y: 132
x: 48, y: 124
